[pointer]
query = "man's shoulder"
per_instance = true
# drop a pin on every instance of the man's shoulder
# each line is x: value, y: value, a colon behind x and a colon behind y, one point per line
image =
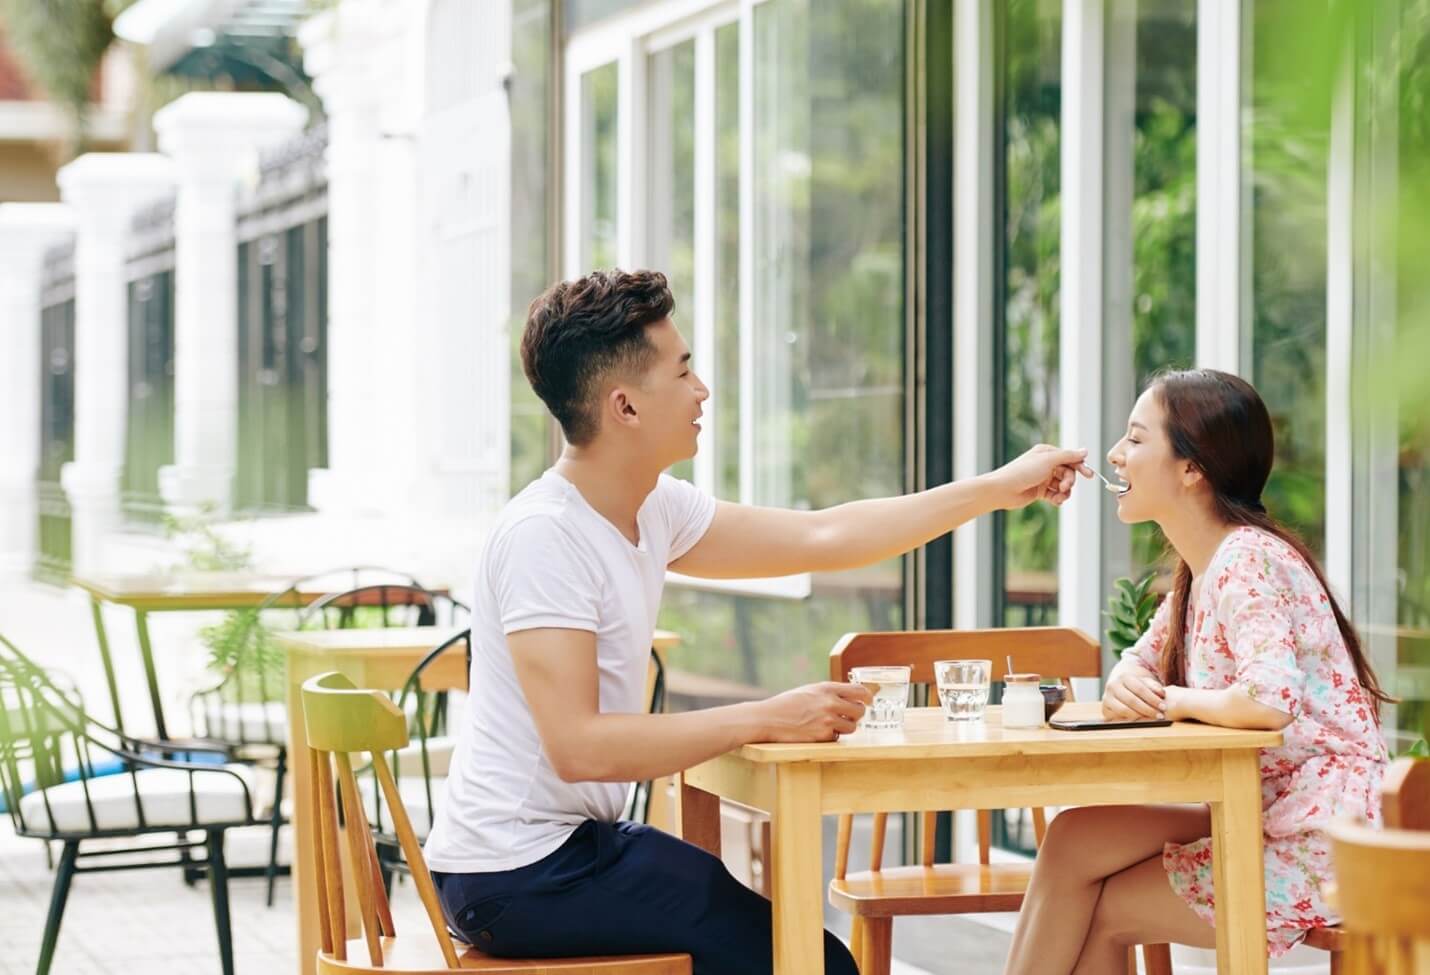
x: 538, y: 523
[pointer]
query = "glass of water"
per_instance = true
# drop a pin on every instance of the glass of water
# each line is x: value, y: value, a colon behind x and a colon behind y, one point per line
x: 963, y: 687
x: 890, y: 688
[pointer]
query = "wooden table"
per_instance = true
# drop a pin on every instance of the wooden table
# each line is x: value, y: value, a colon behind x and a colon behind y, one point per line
x: 171, y: 593
x: 933, y: 764
x: 381, y: 659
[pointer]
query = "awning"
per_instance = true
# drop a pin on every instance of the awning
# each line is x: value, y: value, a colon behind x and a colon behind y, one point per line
x: 250, y: 41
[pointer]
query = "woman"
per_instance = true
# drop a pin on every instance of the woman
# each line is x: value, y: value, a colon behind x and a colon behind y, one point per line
x: 1250, y: 637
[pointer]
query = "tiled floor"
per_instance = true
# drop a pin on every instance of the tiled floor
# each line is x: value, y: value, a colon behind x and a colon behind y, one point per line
x: 142, y: 922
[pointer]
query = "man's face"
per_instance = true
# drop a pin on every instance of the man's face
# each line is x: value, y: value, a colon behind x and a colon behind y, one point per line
x: 667, y: 399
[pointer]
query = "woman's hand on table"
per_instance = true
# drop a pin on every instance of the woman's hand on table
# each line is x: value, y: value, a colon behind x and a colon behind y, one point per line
x: 814, y: 712
x: 1132, y: 693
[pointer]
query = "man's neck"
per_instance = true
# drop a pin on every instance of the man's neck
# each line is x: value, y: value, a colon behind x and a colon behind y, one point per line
x: 615, y: 486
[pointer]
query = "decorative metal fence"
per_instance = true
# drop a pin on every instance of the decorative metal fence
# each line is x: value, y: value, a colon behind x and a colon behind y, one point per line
x: 149, y: 429
x: 282, y: 328
x: 56, y: 365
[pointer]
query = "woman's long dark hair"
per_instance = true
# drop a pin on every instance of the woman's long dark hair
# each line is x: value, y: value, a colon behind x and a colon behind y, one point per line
x: 1218, y: 422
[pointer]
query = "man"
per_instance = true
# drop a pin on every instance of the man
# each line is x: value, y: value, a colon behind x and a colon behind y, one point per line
x: 527, y: 852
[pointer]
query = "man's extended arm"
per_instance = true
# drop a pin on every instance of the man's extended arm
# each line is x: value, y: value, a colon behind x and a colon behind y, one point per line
x: 750, y: 542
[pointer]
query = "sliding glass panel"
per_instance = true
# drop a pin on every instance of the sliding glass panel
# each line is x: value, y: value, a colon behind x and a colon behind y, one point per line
x: 598, y: 167
x: 671, y: 191
x: 1026, y: 309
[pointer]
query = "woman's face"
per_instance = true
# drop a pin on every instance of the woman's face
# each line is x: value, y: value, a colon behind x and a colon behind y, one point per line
x: 1157, y: 479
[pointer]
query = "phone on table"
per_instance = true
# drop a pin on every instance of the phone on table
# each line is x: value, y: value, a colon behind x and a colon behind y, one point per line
x: 1099, y: 724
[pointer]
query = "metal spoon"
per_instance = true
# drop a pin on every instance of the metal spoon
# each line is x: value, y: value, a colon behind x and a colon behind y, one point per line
x: 1114, y: 488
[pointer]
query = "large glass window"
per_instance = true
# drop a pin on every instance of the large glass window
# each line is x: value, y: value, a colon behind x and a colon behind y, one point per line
x: 1413, y: 563
x: 1149, y: 225
x: 774, y: 201
x: 1287, y: 341
x: 530, y: 244
x: 1026, y: 291
x: 599, y: 178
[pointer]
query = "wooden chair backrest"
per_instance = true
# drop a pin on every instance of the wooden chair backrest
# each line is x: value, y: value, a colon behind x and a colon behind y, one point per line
x: 1405, y: 795
x: 1383, y: 892
x: 1058, y: 652
x: 342, y: 719
x: 1052, y: 651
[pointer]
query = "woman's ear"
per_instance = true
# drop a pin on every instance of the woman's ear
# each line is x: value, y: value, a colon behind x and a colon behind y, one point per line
x: 1191, y: 475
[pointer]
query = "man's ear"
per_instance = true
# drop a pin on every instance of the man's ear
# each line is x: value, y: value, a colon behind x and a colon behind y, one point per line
x: 620, y: 408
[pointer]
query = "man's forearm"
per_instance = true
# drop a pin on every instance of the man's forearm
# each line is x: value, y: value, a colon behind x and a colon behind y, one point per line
x: 636, y: 747
x: 863, y: 532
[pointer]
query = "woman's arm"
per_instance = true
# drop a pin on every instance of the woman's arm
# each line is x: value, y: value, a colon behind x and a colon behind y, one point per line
x: 1230, y: 707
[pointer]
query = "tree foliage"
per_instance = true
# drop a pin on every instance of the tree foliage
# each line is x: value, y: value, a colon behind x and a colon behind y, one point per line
x: 60, y: 43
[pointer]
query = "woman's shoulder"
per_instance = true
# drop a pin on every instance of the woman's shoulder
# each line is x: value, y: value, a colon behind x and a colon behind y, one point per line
x: 1253, y: 552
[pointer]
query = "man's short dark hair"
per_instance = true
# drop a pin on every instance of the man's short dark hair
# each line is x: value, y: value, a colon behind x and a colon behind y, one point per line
x: 580, y: 332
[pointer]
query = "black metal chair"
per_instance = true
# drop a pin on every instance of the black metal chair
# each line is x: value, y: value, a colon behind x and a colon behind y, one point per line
x: 245, y: 710
x: 71, y: 779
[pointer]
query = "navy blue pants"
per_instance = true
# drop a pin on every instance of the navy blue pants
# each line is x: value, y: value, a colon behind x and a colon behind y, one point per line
x: 623, y: 888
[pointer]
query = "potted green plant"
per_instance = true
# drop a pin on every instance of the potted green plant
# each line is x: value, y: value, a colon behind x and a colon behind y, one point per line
x: 1129, y: 611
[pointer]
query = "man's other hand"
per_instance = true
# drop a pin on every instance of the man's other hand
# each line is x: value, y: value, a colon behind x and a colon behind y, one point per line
x: 814, y: 712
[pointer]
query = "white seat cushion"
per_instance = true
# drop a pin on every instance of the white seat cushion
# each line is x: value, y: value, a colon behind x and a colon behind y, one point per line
x: 163, y: 792
x: 252, y: 721
x: 409, y: 759
x: 413, y: 790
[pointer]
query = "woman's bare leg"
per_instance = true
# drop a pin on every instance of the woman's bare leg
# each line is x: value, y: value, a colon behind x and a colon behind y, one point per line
x: 1084, y: 847
x: 1138, y: 906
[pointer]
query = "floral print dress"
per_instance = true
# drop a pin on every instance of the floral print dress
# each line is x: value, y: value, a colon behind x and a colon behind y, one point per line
x: 1262, y: 623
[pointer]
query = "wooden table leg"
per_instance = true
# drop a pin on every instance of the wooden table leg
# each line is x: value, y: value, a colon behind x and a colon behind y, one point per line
x: 699, y: 817
x: 798, y: 883
x: 1238, y: 866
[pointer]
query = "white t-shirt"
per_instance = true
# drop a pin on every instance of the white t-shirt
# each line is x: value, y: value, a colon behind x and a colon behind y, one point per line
x: 552, y: 561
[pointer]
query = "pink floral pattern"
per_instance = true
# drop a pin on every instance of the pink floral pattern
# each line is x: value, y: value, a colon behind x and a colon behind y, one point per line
x: 1263, y: 624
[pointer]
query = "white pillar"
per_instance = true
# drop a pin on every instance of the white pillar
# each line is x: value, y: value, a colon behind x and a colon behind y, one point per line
x: 359, y: 60
x: 104, y: 190
x: 212, y: 137
x: 1080, y: 345
x: 27, y: 230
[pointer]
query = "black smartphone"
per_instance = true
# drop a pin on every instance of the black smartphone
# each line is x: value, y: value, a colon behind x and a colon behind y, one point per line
x: 1097, y: 724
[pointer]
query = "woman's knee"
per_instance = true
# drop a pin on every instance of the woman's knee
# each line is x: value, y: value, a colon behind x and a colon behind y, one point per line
x: 1069, y: 833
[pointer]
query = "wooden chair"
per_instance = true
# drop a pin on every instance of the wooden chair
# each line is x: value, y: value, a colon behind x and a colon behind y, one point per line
x: 876, y: 896
x: 342, y: 720
x: 1383, y: 894
x: 1405, y: 805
